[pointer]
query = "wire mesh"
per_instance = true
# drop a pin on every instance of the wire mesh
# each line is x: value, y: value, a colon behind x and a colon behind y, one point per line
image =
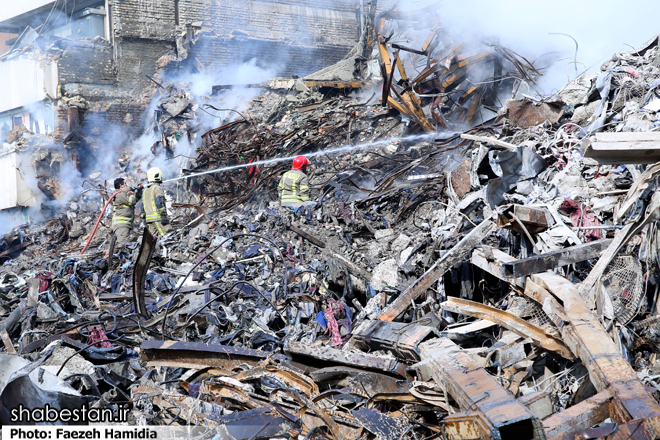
x: 624, y: 282
x: 529, y: 310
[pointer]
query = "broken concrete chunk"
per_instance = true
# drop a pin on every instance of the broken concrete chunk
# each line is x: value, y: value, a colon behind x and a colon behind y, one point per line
x: 381, y: 234
x: 385, y: 274
x: 400, y: 243
x: 175, y: 105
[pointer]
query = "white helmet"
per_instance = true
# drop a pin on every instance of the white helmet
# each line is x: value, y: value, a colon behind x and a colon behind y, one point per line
x: 155, y: 174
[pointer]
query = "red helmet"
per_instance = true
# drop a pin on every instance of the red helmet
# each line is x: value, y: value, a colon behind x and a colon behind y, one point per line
x: 300, y: 163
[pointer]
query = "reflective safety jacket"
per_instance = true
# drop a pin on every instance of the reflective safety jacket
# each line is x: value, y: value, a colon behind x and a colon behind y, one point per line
x: 294, y: 188
x: 123, y: 207
x: 154, y: 203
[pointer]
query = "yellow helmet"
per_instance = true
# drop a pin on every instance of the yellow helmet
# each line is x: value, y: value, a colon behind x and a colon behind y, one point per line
x: 155, y: 174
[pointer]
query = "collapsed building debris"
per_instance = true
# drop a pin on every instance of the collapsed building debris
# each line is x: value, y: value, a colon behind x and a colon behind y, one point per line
x: 453, y: 276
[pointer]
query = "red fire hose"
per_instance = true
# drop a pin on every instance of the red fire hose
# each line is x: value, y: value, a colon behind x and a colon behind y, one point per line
x: 89, y: 240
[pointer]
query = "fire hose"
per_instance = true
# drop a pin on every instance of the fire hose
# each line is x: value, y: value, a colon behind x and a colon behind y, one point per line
x: 89, y: 240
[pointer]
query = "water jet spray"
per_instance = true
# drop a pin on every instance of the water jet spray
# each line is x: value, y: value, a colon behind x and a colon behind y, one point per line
x: 316, y: 153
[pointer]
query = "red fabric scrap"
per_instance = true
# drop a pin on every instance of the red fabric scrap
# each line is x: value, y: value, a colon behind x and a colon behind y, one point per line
x: 580, y: 216
x: 98, y: 335
x: 333, y: 327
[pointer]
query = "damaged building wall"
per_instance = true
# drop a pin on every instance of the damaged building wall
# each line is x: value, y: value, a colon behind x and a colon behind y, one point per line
x: 111, y: 72
x: 15, y: 191
x: 309, y: 35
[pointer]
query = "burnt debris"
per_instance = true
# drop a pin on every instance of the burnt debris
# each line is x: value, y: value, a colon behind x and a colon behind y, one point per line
x: 466, y: 268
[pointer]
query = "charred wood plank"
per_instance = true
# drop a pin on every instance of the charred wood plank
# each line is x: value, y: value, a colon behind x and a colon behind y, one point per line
x: 307, y: 236
x: 554, y: 259
x: 453, y: 256
x: 16, y: 248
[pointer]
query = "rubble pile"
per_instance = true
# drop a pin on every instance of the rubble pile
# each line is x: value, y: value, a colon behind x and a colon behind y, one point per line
x: 497, y: 282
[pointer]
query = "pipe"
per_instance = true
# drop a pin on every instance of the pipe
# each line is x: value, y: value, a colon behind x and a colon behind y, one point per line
x: 89, y: 240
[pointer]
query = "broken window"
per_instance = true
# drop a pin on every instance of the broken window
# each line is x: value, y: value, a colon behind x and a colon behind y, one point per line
x: 88, y: 23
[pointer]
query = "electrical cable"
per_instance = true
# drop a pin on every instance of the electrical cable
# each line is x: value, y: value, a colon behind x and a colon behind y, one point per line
x: 171, y: 301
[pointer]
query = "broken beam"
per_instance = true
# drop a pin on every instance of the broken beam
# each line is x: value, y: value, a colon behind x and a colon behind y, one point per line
x: 583, y: 415
x: 401, y: 338
x: 554, y: 259
x: 586, y: 337
x: 307, y: 236
x: 15, y: 248
x: 608, y: 369
x: 509, y: 321
x: 489, y: 140
x: 353, y: 268
x: 498, y: 414
x: 617, y: 148
x: 534, y: 219
x: 453, y: 256
x: 199, y: 355
x: 288, y: 83
x: 361, y: 360
x: 408, y: 49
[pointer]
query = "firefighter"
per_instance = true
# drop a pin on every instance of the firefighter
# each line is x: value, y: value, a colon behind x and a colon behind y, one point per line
x: 155, y: 211
x: 294, y: 185
x: 123, y: 210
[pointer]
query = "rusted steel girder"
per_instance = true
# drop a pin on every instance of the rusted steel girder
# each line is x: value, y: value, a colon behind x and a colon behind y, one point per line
x: 453, y: 256
x: 199, y: 355
x: 583, y: 415
x: 507, y: 320
x: 489, y: 411
x: 587, y: 339
x: 402, y: 338
x: 608, y: 369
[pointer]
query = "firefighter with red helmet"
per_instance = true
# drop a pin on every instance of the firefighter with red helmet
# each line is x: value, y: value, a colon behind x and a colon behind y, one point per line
x: 294, y: 184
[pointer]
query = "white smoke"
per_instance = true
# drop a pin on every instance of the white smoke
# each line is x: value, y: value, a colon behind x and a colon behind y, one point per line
x: 199, y: 87
x: 601, y: 28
